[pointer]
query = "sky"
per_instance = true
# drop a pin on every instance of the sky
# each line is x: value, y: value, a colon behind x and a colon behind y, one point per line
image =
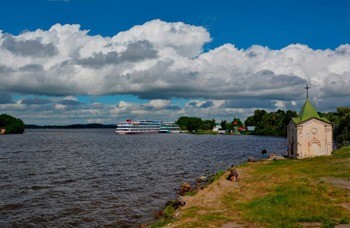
x: 99, y: 61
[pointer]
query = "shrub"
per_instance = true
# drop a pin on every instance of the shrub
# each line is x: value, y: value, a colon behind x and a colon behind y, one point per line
x: 11, y: 124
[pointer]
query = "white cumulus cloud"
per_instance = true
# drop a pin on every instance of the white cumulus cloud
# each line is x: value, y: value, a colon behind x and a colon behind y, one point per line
x: 159, y: 61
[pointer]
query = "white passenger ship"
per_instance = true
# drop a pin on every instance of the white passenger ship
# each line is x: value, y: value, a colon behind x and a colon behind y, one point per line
x: 169, y: 128
x: 138, y: 127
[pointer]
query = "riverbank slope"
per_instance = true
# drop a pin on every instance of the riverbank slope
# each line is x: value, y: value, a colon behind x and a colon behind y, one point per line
x: 284, y: 193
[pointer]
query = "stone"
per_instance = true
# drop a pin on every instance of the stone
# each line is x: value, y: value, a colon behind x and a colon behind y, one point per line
x: 251, y: 159
x: 233, y: 176
x: 201, y: 182
x: 278, y: 157
x: 159, y: 214
x: 202, y: 178
x: 179, y: 202
x: 272, y: 155
x: 184, y: 188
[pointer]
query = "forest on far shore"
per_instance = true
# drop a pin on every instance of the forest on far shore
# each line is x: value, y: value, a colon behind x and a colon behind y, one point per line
x: 271, y: 123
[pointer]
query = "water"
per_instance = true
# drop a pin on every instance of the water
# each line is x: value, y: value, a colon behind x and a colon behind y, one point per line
x: 97, y: 178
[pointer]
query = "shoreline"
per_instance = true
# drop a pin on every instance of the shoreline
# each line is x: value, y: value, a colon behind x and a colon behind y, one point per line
x: 310, y: 192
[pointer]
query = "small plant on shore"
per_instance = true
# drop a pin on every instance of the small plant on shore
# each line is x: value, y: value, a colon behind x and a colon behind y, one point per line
x: 205, y: 132
x: 162, y: 222
x: 166, y: 216
x: 191, y: 193
x: 216, y: 176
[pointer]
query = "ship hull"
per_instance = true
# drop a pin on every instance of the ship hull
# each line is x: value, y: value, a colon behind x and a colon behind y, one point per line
x: 136, y: 132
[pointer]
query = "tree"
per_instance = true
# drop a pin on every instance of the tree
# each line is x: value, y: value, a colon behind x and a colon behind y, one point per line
x: 238, y: 122
x: 11, y: 124
x: 229, y: 126
x: 334, y: 117
x: 183, y: 122
x: 223, y: 124
x: 213, y: 123
x: 195, y: 123
x: 342, y: 133
x: 273, y: 123
x: 207, y: 125
x: 256, y: 118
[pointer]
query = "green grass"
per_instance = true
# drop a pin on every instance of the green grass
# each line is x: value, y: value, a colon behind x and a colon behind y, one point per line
x: 191, y: 212
x: 293, y: 203
x: 202, y: 220
x: 168, y: 217
x: 205, y: 132
x: 342, y: 153
x: 298, y: 193
x: 283, y: 193
x: 169, y: 211
x: 216, y: 176
x: 190, y: 193
x: 162, y: 222
x: 213, y: 217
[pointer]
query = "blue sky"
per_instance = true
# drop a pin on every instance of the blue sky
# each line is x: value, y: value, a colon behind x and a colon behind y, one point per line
x: 318, y: 24
x: 290, y: 41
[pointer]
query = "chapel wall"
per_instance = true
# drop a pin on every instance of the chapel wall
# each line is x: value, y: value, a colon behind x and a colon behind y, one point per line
x: 315, y: 140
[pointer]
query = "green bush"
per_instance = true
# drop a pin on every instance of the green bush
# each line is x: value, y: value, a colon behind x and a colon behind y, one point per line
x: 273, y: 123
x: 11, y: 124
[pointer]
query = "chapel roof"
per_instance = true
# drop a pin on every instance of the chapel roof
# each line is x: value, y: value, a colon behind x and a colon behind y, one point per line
x: 308, y: 112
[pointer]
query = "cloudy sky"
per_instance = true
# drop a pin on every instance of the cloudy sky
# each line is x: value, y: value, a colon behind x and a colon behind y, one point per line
x: 88, y: 61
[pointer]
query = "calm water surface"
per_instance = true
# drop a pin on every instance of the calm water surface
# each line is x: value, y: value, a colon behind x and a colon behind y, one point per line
x: 97, y: 178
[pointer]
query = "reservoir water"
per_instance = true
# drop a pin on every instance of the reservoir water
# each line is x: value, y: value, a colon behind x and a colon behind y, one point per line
x: 97, y: 178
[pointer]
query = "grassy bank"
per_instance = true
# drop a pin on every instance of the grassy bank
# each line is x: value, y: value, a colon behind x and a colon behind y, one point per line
x: 283, y: 193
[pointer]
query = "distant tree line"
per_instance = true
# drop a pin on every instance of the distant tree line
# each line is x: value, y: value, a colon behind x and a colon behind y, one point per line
x: 72, y: 126
x: 11, y: 124
x: 273, y: 123
x: 195, y: 123
x: 341, y: 122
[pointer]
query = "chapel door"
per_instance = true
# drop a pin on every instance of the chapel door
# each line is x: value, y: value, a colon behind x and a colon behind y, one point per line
x: 315, y: 149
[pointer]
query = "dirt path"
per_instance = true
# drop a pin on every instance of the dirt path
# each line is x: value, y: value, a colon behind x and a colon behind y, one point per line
x: 208, y: 201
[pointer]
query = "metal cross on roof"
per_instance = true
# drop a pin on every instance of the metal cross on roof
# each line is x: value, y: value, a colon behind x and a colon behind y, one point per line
x: 307, y: 90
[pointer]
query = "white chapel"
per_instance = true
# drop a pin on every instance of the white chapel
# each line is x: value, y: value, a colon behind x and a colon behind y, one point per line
x: 309, y: 135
